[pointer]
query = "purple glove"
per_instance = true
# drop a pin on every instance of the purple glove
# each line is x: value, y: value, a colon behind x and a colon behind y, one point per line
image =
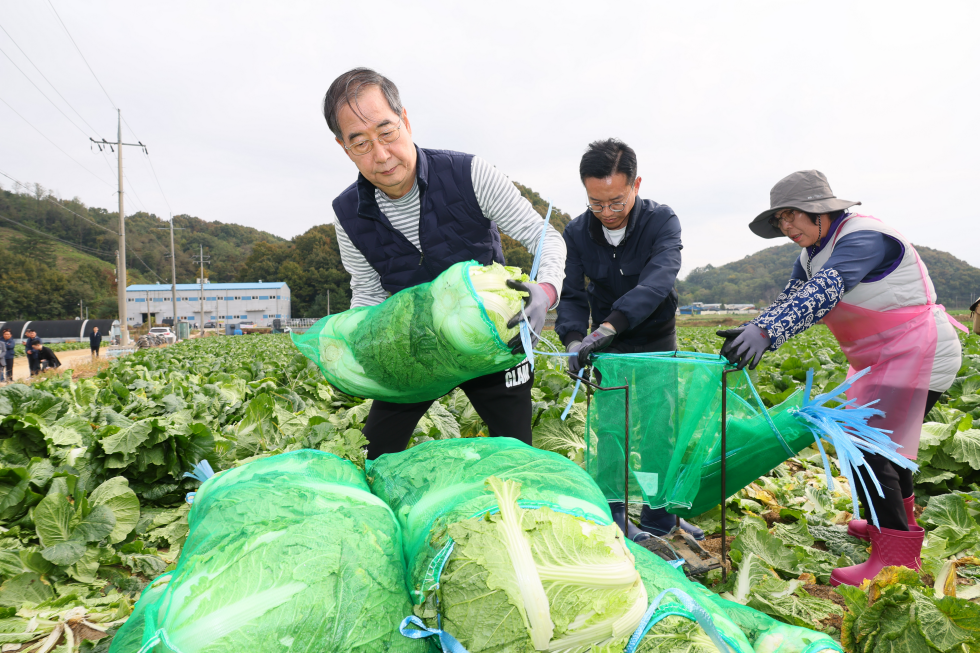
x: 536, y: 306
x: 595, y: 341
x: 744, y: 345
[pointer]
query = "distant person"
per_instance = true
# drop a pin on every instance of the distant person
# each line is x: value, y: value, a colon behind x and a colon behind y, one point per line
x: 95, y: 341
x: 30, y: 339
x: 867, y: 283
x: 630, y: 251
x: 46, y: 358
x: 411, y: 214
x: 7, y: 360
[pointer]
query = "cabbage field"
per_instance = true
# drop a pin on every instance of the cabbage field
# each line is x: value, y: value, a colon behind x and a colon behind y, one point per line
x: 92, y: 488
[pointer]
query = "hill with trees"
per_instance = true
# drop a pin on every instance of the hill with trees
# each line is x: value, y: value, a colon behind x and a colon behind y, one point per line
x: 760, y: 277
x: 58, y: 252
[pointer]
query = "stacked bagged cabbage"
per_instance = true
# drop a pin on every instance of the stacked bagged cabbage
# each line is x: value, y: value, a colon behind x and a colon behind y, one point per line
x: 421, y: 342
x: 286, y: 553
x: 511, y: 548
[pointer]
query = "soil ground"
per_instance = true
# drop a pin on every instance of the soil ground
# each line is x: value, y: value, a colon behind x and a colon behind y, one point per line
x: 68, y: 359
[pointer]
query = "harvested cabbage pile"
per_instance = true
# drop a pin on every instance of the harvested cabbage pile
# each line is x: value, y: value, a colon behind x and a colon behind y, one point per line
x: 537, y: 580
x: 421, y: 342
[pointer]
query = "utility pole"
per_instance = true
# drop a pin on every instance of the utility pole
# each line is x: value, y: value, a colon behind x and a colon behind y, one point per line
x: 202, y: 261
x: 121, y: 274
x: 173, y: 274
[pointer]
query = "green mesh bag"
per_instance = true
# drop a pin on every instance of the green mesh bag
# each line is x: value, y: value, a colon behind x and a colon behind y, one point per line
x: 675, y: 430
x: 421, y: 342
x: 286, y: 553
x: 743, y: 630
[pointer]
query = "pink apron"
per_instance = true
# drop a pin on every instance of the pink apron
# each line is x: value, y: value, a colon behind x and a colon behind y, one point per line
x: 899, y: 345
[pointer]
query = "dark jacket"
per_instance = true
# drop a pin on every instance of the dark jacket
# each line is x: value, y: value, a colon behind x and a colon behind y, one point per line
x: 631, y: 286
x: 47, y: 355
x: 452, y: 227
x: 29, y: 346
x: 8, y: 347
x: 95, y: 340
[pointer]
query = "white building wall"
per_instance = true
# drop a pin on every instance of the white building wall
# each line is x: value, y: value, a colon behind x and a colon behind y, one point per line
x: 260, y: 306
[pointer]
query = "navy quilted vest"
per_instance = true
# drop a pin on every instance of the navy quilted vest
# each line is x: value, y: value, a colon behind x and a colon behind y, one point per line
x: 452, y: 227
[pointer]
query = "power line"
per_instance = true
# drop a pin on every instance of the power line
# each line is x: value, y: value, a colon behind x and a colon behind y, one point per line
x: 83, y: 248
x: 81, y: 55
x: 150, y: 161
x: 41, y: 92
x: 55, y: 144
x: 82, y: 118
x: 52, y: 200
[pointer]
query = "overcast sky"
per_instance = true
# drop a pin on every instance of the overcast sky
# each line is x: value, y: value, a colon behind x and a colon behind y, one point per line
x: 719, y: 99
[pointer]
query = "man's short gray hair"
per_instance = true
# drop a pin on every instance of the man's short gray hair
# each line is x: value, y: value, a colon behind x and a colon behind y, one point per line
x: 347, y: 87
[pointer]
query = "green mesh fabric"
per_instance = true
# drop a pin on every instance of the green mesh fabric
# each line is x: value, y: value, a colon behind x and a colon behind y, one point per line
x: 290, y: 552
x: 444, y: 481
x: 129, y: 637
x: 745, y: 630
x: 417, y: 345
x: 752, y: 450
x: 675, y: 430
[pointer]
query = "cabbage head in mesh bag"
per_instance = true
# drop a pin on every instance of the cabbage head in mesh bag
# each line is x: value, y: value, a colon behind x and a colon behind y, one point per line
x: 423, y: 341
x: 512, y: 546
x: 286, y: 553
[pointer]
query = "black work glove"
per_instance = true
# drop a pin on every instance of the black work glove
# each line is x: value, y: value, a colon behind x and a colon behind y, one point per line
x: 573, y: 364
x: 745, y: 345
x: 535, y: 307
x: 595, y: 341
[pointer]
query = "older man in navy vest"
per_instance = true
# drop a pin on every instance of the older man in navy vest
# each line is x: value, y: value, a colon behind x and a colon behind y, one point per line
x: 413, y: 213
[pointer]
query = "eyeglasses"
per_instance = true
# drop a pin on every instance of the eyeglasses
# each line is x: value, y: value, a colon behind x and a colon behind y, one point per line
x: 787, y: 215
x: 385, y: 138
x: 615, y: 207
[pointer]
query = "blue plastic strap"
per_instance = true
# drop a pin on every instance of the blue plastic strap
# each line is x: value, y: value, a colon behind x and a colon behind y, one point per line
x: 448, y: 643
x: 846, y: 427
x: 189, y: 498
x: 700, y: 615
x: 571, y: 400
x: 525, y: 328
x: 202, y: 471
x: 537, y: 254
x: 772, y: 425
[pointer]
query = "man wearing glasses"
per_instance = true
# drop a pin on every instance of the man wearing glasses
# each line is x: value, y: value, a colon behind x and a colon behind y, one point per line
x: 630, y: 251
x: 414, y: 212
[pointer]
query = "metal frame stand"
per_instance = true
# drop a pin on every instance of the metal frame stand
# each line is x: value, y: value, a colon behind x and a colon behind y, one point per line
x: 724, y: 468
x: 592, y: 387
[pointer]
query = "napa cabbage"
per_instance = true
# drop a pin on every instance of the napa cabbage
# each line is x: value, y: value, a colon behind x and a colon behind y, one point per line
x: 538, y: 580
x: 500, y: 301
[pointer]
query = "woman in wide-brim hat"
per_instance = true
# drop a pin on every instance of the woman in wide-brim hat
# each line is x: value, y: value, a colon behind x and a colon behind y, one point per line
x: 869, y: 286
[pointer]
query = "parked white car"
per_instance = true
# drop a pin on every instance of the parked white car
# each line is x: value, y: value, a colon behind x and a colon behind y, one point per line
x: 164, y: 332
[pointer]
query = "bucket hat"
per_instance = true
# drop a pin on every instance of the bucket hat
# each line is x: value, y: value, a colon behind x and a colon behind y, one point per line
x: 807, y: 191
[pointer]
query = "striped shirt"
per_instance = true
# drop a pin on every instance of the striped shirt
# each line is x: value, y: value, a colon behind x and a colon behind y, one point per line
x: 500, y: 202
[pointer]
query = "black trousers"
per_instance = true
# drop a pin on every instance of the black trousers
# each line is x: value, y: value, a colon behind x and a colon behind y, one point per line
x: 896, y: 484
x: 33, y: 364
x: 502, y: 399
x: 8, y: 364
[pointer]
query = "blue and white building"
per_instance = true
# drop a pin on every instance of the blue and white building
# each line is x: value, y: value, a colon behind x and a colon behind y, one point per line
x: 223, y: 303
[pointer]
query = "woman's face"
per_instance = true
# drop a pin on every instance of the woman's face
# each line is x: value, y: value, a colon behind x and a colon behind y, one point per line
x: 797, y: 226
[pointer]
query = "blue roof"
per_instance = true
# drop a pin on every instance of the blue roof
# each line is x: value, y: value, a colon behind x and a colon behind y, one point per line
x: 265, y: 285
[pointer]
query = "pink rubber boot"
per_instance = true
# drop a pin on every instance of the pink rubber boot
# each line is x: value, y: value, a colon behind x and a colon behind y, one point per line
x: 859, y: 527
x: 889, y: 548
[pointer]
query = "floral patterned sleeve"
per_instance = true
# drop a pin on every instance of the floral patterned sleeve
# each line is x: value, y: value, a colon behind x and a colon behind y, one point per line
x: 801, y: 309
